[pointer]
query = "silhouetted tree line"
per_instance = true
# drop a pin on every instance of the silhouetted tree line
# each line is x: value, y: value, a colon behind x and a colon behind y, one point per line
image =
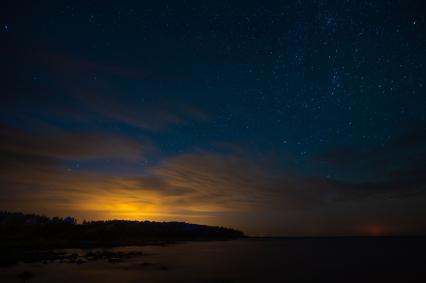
x: 34, y: 230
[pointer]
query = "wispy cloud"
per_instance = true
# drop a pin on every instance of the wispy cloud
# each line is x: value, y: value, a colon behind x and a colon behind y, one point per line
x: 84, y: 91
x: 226, y: 189
x: 71, y: 145
x: 404, y: 153
x: 150, y: 113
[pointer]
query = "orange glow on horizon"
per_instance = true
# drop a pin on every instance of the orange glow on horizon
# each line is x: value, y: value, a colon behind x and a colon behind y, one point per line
x: 145, y: 205
x: 376, y: 230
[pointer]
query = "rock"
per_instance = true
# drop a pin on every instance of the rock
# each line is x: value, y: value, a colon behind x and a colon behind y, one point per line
x: 115, y: 259
x: 26, y: 276
x: 7, y: 262
x: 145, y: 264
x: 153, y: 266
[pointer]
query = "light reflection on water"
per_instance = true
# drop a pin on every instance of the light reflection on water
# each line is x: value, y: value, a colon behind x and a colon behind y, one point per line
x: 249, y: 260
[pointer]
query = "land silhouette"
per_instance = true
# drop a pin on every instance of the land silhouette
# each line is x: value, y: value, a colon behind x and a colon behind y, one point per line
x: 30, y: 230
x: 25, y: 235
x: 52, y: 249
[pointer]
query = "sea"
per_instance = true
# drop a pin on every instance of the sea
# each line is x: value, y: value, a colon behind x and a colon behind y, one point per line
x: 357, y: 259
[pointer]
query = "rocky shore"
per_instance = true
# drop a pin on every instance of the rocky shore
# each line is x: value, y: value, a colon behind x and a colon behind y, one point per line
x: 47, y: 256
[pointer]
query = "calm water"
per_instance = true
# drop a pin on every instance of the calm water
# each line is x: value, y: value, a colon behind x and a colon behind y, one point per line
x: 250, y: 260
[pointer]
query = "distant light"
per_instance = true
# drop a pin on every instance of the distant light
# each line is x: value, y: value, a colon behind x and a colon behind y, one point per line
x: 6, y: 27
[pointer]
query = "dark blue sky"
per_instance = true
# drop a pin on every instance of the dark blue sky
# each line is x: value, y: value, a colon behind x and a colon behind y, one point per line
x: 265, y: 116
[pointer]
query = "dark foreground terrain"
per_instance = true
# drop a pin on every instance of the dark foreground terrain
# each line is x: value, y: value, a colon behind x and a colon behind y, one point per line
x: 31, y: 238
x: 30, y: 230
x: 40, y: 249
x: 243, y: 260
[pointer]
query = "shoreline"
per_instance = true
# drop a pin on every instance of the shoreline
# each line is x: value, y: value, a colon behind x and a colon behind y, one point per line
x: 13, y: 254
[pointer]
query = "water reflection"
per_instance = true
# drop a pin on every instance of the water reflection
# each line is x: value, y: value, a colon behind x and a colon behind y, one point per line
x: 250, y: 260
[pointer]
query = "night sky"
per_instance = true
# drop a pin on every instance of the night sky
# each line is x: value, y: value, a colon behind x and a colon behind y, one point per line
x: 274, y: 117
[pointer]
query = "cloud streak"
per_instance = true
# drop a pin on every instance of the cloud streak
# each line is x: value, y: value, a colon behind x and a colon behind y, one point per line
x: 225, y: 189
x: 88, y: 92
x: 69, y: 145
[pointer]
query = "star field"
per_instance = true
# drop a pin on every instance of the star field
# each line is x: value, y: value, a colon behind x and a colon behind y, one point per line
x: 291, y: 97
